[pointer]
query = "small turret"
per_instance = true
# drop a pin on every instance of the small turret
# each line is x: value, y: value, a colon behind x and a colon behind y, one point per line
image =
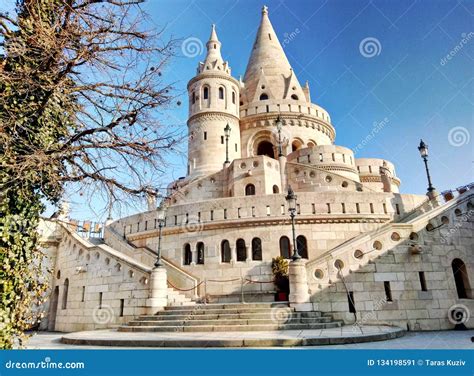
x: 213, y: 103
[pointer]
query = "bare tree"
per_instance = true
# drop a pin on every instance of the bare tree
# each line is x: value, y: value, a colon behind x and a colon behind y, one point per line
x: 82, y: 89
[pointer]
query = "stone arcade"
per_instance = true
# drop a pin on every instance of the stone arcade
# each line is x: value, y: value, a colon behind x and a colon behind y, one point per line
x: 368, y: 251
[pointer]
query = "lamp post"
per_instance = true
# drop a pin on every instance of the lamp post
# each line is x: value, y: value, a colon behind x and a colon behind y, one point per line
x: 227, y: 130
x: 291, y: 198
x: 161, y: 224
x: 423, y: 149
x: 278, y: 124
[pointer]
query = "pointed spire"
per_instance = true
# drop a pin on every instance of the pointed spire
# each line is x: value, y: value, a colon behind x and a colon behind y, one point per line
x: 268, y: 55
x: 213, y: 59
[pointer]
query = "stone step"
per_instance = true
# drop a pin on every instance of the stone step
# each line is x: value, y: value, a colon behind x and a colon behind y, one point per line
x: 229, y: 316
x: 231, y: 328
x: 236, y: 306
x: 228, y: 322
x: 198, y: 310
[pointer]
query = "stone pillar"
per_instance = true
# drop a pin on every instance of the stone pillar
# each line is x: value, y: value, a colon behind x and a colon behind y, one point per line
x: 299, y: 296
x: 158, y: 290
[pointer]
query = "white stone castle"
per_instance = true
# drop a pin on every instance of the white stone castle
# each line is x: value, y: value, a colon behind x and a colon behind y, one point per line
x: 368, y: 253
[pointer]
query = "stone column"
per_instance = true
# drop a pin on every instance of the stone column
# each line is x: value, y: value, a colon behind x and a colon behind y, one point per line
x: 283, y: 178
x: 158, y: 297
x: 299, y: 296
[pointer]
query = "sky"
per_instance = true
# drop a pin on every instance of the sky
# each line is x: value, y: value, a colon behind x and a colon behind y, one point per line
x: 406, y: 64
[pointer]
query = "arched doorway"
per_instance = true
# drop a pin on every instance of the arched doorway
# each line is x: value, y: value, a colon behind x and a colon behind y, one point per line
x: 461, y: 279
x: 53, y: 309
x: 266, y: 148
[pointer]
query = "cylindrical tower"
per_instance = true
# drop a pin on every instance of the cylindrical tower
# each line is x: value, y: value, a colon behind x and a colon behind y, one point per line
x: 213, y: 103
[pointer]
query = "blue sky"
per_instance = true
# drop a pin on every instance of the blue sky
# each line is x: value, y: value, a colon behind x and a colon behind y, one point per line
x: 406, y: 81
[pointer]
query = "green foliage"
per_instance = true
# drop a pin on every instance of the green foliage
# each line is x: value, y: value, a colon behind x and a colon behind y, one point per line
x: 31, y: 116
x: 280, y: 268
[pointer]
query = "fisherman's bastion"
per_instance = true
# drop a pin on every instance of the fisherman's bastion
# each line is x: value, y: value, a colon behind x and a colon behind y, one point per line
x: 262, y: 160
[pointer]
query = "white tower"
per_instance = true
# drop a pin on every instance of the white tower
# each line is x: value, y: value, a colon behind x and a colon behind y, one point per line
x: 213, y: 103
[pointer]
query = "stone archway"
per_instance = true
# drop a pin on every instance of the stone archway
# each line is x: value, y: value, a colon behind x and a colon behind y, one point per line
x: 266, y: 148
x: 53, y: 309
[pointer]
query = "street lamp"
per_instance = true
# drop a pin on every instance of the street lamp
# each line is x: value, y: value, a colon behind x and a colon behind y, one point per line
x: 291, y: 198
x: 161, y: 223
x: 423, y: 149
x: 278, y: 124
x: 227, y: 130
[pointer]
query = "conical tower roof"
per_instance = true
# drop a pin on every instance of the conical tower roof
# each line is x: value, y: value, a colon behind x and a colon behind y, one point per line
x: 269, y: 60
x: 213, y: 61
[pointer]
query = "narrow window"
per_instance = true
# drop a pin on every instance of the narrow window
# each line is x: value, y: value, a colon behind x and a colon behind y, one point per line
x: 200, y: 253
x: 222, y: 140
x: 388, y: 291
x: 221, y: 93
x: 175, y: 221
x: 236, y: 148
x: 83, y: 293
x: 384, y: 208
x: 194, y: 97
x: 212, y: 215
x: 241, y: 250
x: 283, y: 209
x: 343, y: 206
x: 344, y: 158
x: 276, y: 189
x: 350, y: 300
x: 233, y: 97
x: 298, y: 209
x: 238, y: 212
x: 188, y: 255
x: 122, y: 305
x: 100, y: 299
x: 268, y: 210
x: 320, y: 157
x: 371, y: 208
x: 370, y: 169
x: 256, y: 249
x: 199, y: 216
x: 313, y: 206
x: 65, y: 293
x: 397, y: 208
x: 206, y: 93
x: 329, y: 208
x: 205, y: 135
x: 302, y: 245
x: 225, y: 213
x: 225, y: 251
x: 357, y: 207
x: 253, y: 211
x: 285, y: 247
x: 333, y: 157
x: 422, y: 281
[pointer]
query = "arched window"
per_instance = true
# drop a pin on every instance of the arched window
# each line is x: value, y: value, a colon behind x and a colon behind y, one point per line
x: 200, y: 253
x: 188, y: 255
x: 256, y: 249
x: 302, y: 245
x: 263, y: 97
x: 295, y: 97
x: 233, y: 97
x: 250, y: 190
x: 225, y: 251
x: 221, y: 93
x: 285, y: 247
x: 65, y: 292
x: 205, y: 94
x: 276, y: 189
x: 241, y: 250
x: 194, y: 97
x: 461, y: 278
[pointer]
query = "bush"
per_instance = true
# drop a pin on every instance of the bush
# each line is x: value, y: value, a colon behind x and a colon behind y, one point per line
x: 280, y: 274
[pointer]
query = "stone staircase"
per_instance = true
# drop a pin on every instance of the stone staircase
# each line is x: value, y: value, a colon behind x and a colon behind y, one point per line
x: 176, y: 299
x: 231, y: 317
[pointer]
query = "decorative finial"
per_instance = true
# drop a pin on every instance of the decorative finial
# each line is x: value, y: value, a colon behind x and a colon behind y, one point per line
x: 264, y: 10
